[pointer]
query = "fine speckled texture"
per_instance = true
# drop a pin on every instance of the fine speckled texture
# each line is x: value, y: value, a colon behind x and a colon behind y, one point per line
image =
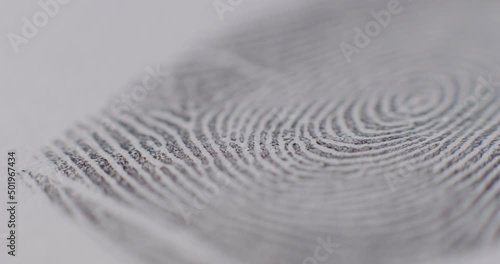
x: 263, y: 145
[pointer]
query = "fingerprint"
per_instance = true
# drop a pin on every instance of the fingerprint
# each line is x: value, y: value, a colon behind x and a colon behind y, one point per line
x: 261, y: 143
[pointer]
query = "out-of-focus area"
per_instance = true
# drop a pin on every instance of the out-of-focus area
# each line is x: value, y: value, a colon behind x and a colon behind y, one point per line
x: 63, y: 61
x: 82, y: 52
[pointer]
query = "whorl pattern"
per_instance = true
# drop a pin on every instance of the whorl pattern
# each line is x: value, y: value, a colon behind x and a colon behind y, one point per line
x: 262, y: 144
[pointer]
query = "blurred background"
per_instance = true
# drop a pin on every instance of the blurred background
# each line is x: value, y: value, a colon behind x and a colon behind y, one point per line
x: 77, y: 63
x: 87, y: 52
